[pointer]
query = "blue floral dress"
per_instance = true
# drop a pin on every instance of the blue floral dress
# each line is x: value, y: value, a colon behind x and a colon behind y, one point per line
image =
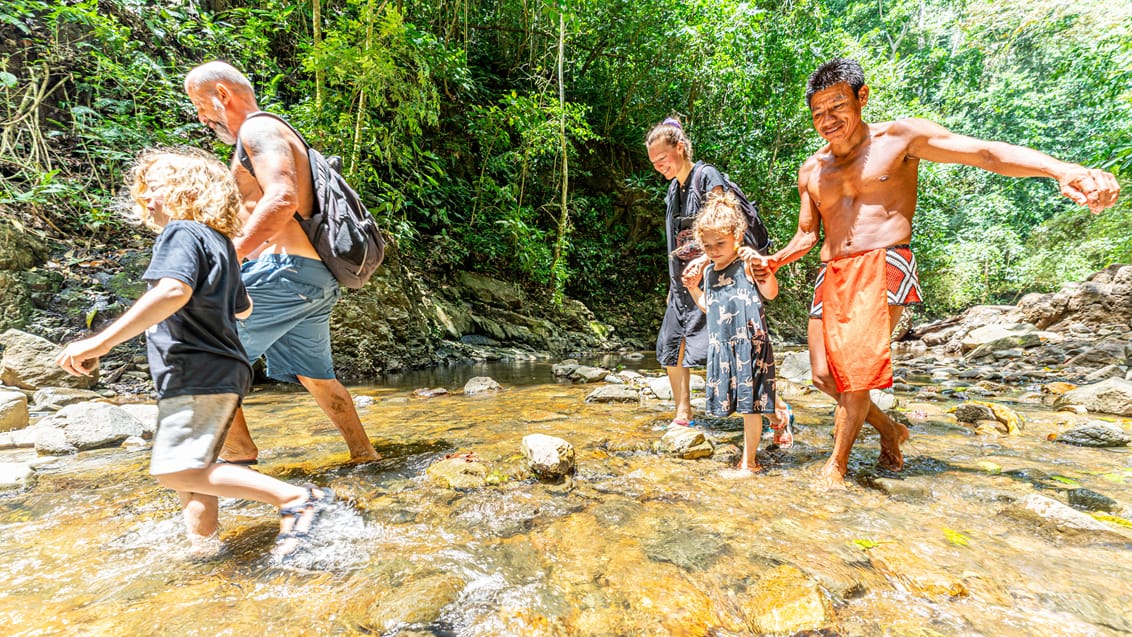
x: 740, y: 359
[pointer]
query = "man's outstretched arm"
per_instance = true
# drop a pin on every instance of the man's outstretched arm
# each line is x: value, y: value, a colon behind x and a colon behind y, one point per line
x: 1090, y: 187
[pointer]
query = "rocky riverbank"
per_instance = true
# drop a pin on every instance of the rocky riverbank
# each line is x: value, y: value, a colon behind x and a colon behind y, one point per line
x: 401, y: 320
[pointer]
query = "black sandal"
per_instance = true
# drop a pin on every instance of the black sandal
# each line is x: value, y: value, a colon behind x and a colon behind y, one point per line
x: 315, y: 505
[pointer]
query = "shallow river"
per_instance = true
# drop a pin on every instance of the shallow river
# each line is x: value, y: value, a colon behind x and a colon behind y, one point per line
x: 638, y: 544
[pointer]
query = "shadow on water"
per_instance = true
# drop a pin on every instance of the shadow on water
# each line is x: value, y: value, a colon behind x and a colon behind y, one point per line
x: 635, y: 544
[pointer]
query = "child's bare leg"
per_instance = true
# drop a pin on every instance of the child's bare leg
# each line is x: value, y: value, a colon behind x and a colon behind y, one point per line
x: 201, y: 513
x: 234, y: 481
x: 752, y: 433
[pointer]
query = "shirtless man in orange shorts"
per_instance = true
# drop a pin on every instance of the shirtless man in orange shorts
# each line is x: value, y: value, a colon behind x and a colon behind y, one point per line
x: 861, y: 191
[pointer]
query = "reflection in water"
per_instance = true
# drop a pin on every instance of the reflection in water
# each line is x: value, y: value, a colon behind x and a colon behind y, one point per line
x: 638, y: 544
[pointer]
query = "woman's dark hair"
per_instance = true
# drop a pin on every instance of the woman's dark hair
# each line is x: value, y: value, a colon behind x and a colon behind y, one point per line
x: 833, y: 73
x: 672, y: 132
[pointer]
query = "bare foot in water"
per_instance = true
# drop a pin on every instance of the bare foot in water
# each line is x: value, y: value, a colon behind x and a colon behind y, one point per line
x: 365, y: 458
x: 752, y: 466
x: 891, y: 457
x: 239, y: 455
x: 832, y: 477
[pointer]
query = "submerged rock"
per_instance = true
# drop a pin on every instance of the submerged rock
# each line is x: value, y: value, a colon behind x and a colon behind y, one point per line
x: 907, y: 488
x: 785, y: 601
x: 1092, y: 501
x: 463, y: 471
x: 418, y: 600
x: 692, y: 549
x: 1050, y: 513
x: 1095, y: 433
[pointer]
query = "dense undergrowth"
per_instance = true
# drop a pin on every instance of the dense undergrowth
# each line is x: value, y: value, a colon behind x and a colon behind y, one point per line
x: 455, y: 118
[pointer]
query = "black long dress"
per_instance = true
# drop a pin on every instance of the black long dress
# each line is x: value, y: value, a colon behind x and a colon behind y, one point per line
x: 683, y: 320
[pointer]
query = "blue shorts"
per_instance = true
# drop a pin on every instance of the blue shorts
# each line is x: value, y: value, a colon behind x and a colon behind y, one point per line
x: 290, y: 322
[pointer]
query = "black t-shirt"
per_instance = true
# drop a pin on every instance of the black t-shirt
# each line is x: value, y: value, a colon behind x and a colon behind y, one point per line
x: 197, y: 350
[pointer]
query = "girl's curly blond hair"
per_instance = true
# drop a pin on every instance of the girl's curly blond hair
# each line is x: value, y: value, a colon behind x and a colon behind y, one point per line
x: 194, y: 186
x: 721, y: 213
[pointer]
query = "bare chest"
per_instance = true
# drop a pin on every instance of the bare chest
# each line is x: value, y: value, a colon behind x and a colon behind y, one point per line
x: 880, y: 174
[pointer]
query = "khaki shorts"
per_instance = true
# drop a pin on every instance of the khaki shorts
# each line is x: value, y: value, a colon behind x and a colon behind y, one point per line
x: 190, y: 431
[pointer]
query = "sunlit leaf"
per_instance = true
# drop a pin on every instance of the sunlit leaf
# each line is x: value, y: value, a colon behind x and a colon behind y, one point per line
x: 956, y: 538
x: 1067, y: 481
x: 1119, y: 521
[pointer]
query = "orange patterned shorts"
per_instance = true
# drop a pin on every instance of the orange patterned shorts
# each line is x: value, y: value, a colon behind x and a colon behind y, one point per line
x: 900, y: 274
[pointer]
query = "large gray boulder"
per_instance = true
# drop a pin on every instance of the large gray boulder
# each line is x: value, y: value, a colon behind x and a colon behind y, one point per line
x: 86, y: 426
x: 1105, y: 298
x: 492, y: 291
x: 13, y: 410
x: 146, y: 413
x: 993, y: 338
x: 29, y: 363
x: 57, y: 397
x: 1112, y: 396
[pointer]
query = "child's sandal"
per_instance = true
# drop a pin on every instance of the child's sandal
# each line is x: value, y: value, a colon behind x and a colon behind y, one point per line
x: 784, y: 434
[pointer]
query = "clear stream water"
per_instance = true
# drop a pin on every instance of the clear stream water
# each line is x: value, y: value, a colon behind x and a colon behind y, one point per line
x: 638, y: 544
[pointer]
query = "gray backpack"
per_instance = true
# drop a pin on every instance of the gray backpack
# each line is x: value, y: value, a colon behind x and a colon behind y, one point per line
x: 340, y: 228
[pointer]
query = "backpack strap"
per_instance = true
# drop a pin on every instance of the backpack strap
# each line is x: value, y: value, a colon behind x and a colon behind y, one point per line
x: 242, y: 155
x: 246, y: 161
x: 697, y: 178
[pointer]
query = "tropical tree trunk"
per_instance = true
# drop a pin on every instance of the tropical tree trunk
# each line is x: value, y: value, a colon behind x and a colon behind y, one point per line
x: 319, y: 74
x: 359, y: 119
x: 564, y: 217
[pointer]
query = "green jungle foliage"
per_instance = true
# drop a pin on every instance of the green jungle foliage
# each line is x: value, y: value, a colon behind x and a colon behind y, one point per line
x: 455, y: 118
